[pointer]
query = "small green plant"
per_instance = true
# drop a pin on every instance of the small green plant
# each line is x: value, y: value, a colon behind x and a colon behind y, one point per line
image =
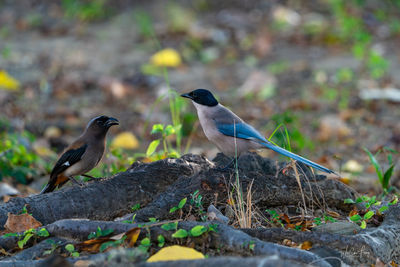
x: 196, y: 231
x: 275, y: 218
x: 112, y: 244
x: 85, y: 10
x: 369, y: 213
x: 180, y: 205
x: 71, y: 249
x: 144, y: 23
x: 167, y: 146
x: 130, y: 221
x: 196, y: 201
x: 145, y: 244
x: 135, y: 207
x: 383, y: 175
x: 27, y: 235
x: 18, y: 160
x: 161, y: 241
x: 100, y: 233
x: 170, y: 226
x: 54, y: 246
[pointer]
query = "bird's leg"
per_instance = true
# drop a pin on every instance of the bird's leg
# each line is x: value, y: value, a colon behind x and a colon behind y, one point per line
x: 89, y: 176
x: 72, y: 179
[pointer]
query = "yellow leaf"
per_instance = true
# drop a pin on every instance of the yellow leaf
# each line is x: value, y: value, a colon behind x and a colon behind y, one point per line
x: 125, y: 140
x: 166, y: 58
x: 7, y: 82
x: 174, y: 253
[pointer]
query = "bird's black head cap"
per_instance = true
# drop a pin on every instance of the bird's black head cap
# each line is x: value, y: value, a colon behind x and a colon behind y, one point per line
x: 102, y: 123
x: 202, y: 97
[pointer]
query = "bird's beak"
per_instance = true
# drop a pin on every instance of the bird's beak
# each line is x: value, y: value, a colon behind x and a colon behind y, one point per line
x: 186, y: 96
x: 112, y: 121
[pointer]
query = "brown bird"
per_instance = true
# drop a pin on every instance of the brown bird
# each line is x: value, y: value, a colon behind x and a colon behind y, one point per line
x: 82, y: 155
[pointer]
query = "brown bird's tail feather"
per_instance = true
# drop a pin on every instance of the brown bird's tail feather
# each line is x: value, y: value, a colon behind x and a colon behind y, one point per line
x: 54, y: 182
x: 48, y: 188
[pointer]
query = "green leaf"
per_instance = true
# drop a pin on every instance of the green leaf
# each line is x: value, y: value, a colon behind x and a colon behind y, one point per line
x: 106, y: 232
x: 349, y: 201
x: 213, y: 227
x: 22, y: 242
x: 135, y: 207
x: 383, y: 208
x: 182, y: 203
x: 173, y: 209
x: 75, y: 254
x: 9, y: 234
x: 368, y: 215
x: 157, y: 128
x: 92, y: 235
x: 198, y: 230
x: 43, y: 232
x: 170, y: 226
x: 161, y: 241
x: 109, y: 244
x: 153, y: 220
x: 145, y: 242
x: 355, y: 218
x: 359, y: 200
x: 70, y: 248
x: 181, y: 233
x: 152, y: 147
x: 375, y: 164
x: 363, y: 225
x: 169, y: 130
x: 394, y: 201
x: 387, y: 176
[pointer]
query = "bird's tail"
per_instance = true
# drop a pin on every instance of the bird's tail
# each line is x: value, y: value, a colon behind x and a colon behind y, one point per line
x: 51, y: 185
x: 296, y: 157
x: 48, y: 188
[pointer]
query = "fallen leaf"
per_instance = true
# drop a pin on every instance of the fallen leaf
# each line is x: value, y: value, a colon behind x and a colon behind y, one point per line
x: 285, y: 218
x: 7, y: 82
x: 332, y: 213
x: 166, y: 58
x: 92, y: 245
x: 21, y: 223
x: 174, y: 253
x: 125, y: 140
x: 353, y: 212
x: 306, y: 245
x: 132, y: 236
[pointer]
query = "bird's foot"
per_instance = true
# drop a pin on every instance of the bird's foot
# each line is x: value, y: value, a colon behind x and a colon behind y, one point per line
x: 72, y: 179
x: 91, y: 178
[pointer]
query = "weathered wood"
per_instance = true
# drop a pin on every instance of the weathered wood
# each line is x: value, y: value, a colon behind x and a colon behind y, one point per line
x: 107, y: 198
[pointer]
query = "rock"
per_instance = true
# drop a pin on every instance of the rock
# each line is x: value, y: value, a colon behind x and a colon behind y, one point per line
x: 214, y: 214
x: 7, y: 190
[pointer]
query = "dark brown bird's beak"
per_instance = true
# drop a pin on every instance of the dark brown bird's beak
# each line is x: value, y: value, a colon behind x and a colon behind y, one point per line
x: 186, y: 96
x: 112, y: 121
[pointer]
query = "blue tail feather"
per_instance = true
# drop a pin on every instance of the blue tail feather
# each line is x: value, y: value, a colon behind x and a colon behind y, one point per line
x: 296, y: 157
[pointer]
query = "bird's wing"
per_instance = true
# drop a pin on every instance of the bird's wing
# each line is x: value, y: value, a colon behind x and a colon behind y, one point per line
x: 241, y: 130
x: 69, y: 158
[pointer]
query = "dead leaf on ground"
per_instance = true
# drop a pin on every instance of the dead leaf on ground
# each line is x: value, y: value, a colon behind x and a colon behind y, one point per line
x: 21, y: 223
x: 92, y: 245
x: 306, y: 245
x: 174, y: 253
x: 132, y: 236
